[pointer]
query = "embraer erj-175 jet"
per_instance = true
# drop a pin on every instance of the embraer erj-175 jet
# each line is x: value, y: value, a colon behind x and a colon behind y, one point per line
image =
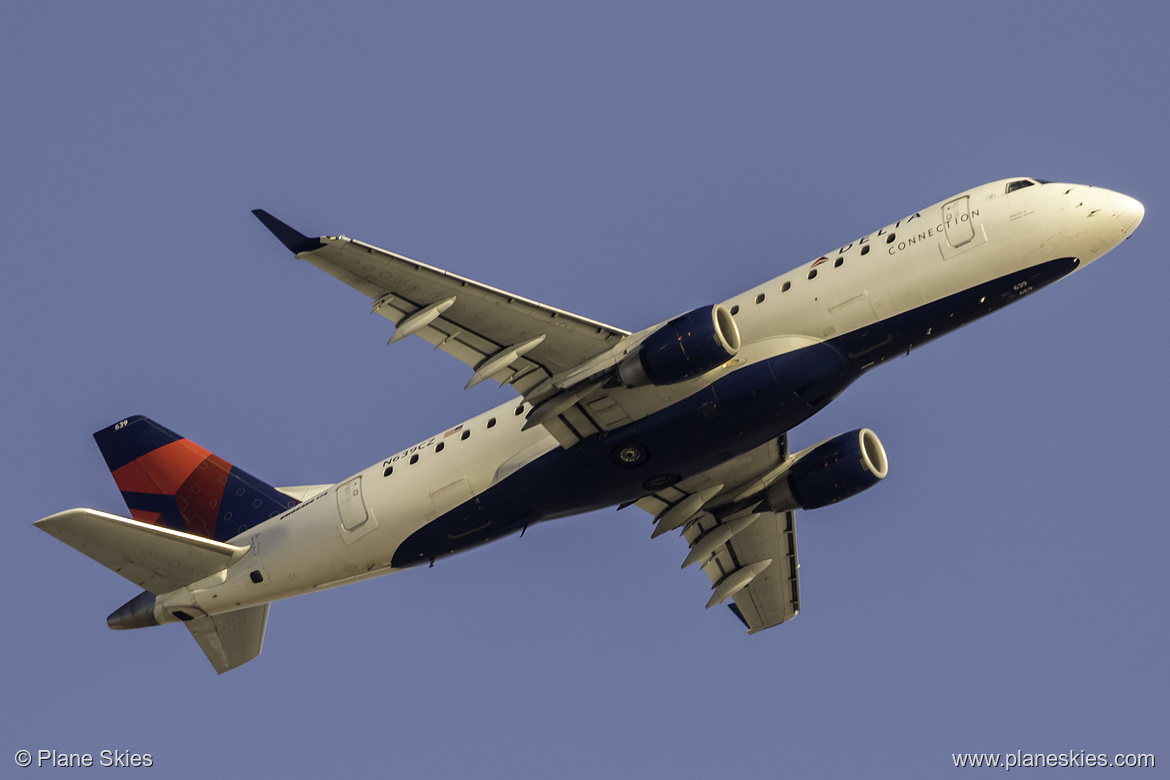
x: 687, y: 419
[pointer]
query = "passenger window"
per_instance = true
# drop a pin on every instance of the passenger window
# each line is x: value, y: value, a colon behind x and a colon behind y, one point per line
x: 787, y: 286
x: 491, y: 423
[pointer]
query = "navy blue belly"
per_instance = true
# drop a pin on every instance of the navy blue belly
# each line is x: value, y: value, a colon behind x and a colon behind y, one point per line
x: 735, y: 414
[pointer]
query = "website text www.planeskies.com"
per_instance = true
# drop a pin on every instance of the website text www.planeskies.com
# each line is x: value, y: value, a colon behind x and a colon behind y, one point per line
x: 1069, y: 758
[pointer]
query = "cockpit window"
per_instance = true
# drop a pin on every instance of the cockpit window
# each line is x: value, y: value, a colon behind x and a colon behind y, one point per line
x: 1019, y: 184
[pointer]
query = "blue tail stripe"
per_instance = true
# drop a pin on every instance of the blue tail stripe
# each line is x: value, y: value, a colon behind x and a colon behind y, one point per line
x: 120, y: 449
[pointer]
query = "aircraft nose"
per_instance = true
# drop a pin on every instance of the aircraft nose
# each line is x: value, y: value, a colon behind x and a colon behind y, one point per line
x: 1128, y: 212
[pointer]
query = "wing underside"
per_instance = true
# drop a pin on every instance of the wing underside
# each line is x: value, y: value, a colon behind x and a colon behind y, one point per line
x: 748, y: 552
x: 550, y: 356
x: 773, y: 595
x: 501, y: 336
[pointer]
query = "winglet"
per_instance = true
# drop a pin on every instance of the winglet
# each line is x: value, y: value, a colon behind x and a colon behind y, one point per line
x: 292, y: 238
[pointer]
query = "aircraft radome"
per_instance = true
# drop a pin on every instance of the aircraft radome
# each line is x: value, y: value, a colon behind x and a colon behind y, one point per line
x: 687, y: 419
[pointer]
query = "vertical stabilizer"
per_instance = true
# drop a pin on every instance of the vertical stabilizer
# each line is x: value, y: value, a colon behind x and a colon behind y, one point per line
x: 171, y: 481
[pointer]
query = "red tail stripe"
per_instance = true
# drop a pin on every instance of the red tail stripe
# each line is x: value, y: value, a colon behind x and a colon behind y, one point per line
x: 163, y: 470
x: 145, y: 517
x: 200, y: 496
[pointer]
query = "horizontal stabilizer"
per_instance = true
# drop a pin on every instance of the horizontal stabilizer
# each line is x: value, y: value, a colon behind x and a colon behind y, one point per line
x: 304, y: 492
x: 155, y: 558
x: 231, y: 638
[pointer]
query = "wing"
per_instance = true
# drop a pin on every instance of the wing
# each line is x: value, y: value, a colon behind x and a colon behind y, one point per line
x: 748, y: 554
x: 539, y: 350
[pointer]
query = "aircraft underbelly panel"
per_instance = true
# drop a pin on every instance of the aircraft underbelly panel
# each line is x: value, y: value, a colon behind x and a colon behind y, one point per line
x: 737, y: 413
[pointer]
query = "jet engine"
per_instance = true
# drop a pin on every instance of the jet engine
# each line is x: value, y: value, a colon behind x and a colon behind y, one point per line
x: 832, y: 471
x: 684, y: 348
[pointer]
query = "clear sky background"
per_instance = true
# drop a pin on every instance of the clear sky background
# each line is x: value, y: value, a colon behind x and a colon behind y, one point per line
x: 1006, y: 588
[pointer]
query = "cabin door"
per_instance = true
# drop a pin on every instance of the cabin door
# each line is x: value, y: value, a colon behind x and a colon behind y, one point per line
x: 351, y: 505
x: 956, y: 215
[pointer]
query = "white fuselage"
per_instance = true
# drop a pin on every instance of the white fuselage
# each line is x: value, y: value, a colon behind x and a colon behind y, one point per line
x: 352, y: 530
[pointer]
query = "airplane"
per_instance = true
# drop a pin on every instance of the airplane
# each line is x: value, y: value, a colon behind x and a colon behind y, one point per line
x: 686, y: 419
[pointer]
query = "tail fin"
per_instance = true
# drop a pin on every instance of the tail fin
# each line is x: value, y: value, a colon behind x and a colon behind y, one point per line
x: 171, y: 481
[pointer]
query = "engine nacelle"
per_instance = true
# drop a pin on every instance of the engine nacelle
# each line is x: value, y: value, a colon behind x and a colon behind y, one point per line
x: 684, y: 348
x: 832, y: 471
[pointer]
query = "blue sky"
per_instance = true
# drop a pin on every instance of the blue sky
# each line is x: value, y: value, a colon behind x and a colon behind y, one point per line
x: 1004, y: 589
